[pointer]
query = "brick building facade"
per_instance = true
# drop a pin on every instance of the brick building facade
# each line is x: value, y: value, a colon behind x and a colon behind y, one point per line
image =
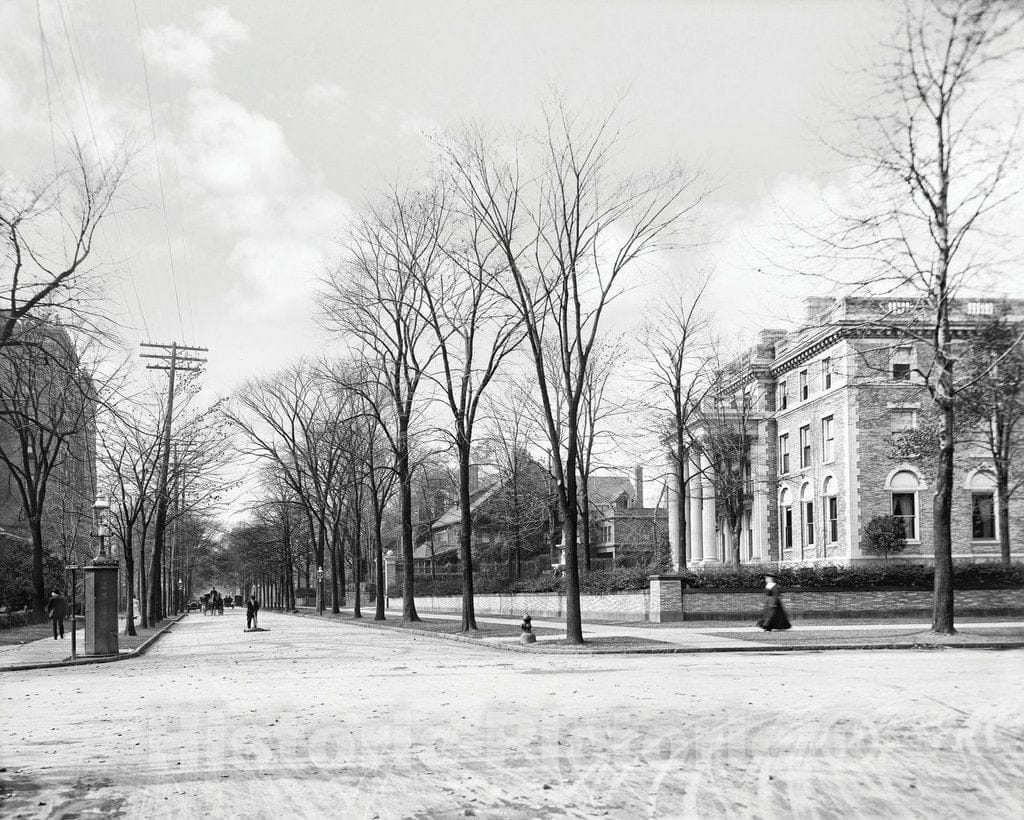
x: 832, y: 406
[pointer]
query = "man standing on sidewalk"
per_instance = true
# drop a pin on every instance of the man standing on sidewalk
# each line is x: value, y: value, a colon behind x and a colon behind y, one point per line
x: 56, y: 608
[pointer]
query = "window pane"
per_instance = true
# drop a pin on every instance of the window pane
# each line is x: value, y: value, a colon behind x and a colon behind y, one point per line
x: 833, y: 519
x: 903, y: 508
x: 983, y: 516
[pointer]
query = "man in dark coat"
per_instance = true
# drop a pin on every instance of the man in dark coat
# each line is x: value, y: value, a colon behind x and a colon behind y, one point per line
x: 56, y: 610
x: 252, y: 608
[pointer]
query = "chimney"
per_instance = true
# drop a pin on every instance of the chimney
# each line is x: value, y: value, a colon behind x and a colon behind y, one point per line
x: 639, y: 486
x: 474, y: 477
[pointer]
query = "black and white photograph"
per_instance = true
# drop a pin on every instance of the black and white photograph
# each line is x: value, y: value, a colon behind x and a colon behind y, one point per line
x: 511, y: 409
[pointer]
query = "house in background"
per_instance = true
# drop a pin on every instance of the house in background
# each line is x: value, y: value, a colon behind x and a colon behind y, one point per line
x: 511, y: 523
x: 828, y: 404
x: 623, y: 530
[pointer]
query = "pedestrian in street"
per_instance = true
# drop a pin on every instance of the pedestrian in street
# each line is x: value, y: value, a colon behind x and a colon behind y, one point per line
x: 774, y: 615
x: 56, y: 610
x: 252, y: 609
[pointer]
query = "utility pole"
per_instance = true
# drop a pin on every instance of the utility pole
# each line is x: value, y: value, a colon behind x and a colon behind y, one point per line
x: 172, y: 361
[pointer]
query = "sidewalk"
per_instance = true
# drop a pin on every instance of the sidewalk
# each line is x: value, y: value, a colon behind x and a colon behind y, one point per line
x: 670, y: 638
x: 49, y: 652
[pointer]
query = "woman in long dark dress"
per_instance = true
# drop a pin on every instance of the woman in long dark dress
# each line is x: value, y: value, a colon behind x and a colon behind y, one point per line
x: 774, y: 614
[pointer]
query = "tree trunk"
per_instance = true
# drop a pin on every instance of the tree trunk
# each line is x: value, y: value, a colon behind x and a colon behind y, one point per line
x: 340, y: 540
x: 143, y: 597
x: 942, y: 612
x: 734, y: 541
x: 38, y: 582
x: 378, y: 547
x: 465, y: 535
x: 1003, y: 496
x: 335, y: 609
x: 570, y: 526
x: 129, y: 583
x: 357, y: 598
x: 405, y: 502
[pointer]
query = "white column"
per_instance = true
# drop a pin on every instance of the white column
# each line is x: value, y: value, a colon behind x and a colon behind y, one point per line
x: 711, y: 552
x: 696, y: 496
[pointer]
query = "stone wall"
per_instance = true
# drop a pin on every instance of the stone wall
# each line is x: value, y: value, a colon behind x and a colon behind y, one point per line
x: 670, y: 602
x: 620, y: 606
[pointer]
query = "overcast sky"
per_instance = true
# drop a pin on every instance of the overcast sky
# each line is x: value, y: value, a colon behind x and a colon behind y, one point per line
x: 261, y: 126
x: 272, y: 121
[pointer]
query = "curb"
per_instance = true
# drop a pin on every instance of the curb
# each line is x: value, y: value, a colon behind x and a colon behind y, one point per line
x: 141, y: 649
x: 660, y: 650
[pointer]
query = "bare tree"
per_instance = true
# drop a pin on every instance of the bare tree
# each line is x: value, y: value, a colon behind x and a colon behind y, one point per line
x: 372, y: 463
x: 569, y: 231
x: 280, y: 419
x: 936, y: 162
x: 128, y: 456
x: 676, y: 341
x: 47, y: 418
x: 47, y: 238
x: 520, y: 513
x: 722, y: 434
x: 992, y: 404
x: 597, y: 409
x: 475, y: 332
x: 375, y: 299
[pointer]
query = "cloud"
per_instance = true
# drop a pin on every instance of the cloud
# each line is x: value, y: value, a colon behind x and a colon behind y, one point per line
x: 250, y: 187
x: 192, y: 53
x: 218, y: 26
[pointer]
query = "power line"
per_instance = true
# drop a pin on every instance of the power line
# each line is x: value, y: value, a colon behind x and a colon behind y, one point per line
x: 71, y: 34
x: 159, y: 172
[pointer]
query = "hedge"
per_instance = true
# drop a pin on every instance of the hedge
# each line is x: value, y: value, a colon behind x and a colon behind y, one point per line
x: 866, y: 576
x: 748, y: 577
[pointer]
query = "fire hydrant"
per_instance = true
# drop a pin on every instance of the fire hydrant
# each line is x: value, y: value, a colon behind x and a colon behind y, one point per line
x: 527, y: 635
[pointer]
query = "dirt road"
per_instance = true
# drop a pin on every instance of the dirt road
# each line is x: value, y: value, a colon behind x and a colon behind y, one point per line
x: 326, y: 720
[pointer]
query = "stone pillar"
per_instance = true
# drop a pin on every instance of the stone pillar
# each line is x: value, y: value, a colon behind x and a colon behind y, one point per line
x: 391, y: 579
x: 708, y: 517
x: 674, y: 540
x: 666, y: 599
x: 101, y: 607
x: 696, y: 511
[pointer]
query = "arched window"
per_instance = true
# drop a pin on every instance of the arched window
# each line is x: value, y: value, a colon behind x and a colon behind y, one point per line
x: 983, y: 506
x: 807, y: 515
x: 830, y: 491
x: 785, y: 520
x: 903, y: 491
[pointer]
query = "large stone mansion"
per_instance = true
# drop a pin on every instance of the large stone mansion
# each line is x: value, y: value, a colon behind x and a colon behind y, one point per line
x: 826, y: 403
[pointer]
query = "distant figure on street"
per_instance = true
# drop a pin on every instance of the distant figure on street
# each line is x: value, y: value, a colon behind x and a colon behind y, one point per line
x: 56, y: 610
x: 774, y: 615
x: 252, y: 609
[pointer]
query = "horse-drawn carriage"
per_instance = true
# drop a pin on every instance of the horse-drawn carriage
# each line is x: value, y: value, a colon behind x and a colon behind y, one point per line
x: 213, y: 603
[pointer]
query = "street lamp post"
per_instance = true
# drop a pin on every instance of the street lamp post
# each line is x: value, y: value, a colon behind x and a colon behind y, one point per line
x: 181, y: 598
x: 100, y: 510
x: 319, y: 590
x: 101, y: 590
